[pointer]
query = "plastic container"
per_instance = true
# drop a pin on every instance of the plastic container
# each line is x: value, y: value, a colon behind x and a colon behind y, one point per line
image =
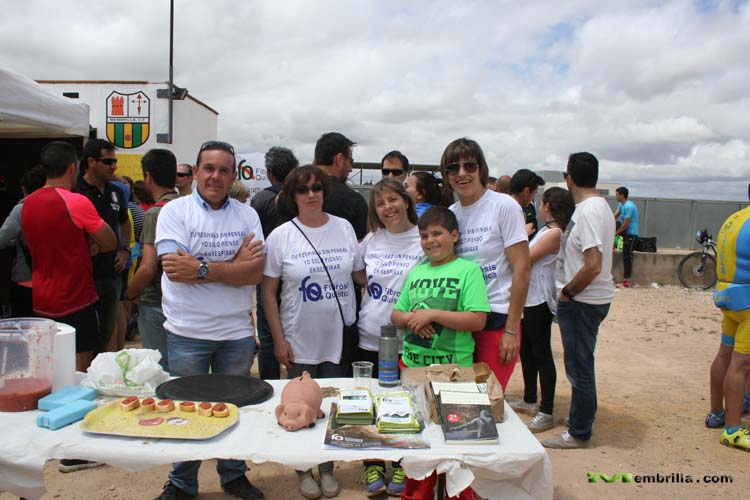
x: 388, y: 356
x: 26, y: 360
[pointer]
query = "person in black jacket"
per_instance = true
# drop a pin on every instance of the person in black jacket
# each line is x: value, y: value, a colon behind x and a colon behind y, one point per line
x: 272, y: 212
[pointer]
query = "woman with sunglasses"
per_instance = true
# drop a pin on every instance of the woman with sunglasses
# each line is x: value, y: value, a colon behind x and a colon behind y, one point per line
x: 313, y: 256
x: 492, y: 234
x: 427, y: 191
x: 388, y: 253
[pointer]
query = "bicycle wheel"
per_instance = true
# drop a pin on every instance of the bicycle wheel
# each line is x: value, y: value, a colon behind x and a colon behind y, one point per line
x: 696, y: 273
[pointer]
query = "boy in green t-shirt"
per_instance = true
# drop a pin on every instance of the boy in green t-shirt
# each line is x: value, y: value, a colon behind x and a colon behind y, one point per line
x: 443, y: 300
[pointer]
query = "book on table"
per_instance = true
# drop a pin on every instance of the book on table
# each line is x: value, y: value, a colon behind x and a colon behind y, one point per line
x: 355, y: 407
x: 466, y: 417
x: 395, y: 413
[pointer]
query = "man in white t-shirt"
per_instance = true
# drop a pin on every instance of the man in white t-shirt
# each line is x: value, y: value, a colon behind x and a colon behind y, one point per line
x: 584, y: 271
x: 210, y: 247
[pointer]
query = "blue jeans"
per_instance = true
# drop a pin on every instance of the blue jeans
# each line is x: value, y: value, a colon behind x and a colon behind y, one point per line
x: 579, y: 326
x: 152, y: 332
x: 192, y: 357
x: 268, y: 365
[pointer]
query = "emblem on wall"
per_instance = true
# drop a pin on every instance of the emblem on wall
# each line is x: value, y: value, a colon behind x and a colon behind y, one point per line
x: 128, y: 119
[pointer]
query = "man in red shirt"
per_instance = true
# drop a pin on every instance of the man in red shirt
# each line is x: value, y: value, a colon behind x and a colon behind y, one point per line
x: 62, y: 230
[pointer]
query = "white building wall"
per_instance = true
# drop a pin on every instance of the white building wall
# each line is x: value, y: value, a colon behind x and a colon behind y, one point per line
x: 193, y: 122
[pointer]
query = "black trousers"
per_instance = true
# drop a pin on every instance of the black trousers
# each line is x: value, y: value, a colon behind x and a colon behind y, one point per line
x: 536, y: 356
x: 628, y: 242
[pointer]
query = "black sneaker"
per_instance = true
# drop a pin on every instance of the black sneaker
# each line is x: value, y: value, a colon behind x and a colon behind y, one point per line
x: 71, y: 465
x: 242, y: 488
x: 172, y: 492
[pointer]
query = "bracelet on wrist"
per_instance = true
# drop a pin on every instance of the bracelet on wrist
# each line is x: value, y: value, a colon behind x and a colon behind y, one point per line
x: 510, y: 332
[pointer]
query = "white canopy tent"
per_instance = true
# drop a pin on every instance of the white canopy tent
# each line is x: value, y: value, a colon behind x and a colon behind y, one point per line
x: 28, y: 110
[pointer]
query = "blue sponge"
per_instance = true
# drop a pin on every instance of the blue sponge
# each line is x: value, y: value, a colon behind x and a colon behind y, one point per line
x: 66, y: 395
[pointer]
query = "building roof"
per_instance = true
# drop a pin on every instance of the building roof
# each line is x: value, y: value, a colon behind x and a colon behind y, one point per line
x: 125, y: 82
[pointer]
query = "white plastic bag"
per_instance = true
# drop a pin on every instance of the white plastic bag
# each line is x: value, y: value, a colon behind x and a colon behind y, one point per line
x: 130, y: 372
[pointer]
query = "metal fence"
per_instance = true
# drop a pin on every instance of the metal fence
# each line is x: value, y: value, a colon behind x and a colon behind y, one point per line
x: 673, y: 222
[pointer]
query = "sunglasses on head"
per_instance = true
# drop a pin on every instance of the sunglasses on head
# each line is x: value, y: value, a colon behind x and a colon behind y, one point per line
x: 453, y: 168
x: 392, y: 171
x: 224, y: 146
x: 184, y: 174
x: 315, y: 188
x: 108, y: 161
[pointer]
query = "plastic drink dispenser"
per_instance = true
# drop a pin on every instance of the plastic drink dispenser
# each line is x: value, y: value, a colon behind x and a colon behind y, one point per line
x: 388, y: 356
x: 26, y: 346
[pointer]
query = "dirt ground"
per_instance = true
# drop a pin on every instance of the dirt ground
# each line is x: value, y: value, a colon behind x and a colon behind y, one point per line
x: 653, y: 357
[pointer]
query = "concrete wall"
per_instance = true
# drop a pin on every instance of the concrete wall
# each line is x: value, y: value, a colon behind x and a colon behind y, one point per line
x: 660, y: 268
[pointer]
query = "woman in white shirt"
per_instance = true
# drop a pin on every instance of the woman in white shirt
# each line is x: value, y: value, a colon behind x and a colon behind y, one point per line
x: 313, y: 256
x: 492, y: 234
x: 555, y: 211
x: 388, y: 253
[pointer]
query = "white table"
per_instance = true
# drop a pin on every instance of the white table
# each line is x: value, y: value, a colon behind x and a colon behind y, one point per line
x: 517, y: 467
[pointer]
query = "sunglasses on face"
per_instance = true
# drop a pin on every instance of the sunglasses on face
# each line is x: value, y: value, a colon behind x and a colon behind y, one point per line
x: 107, y: 161
x: 392, y: 171
x: 303, y: 190
x: 184, y: 174
x: 565, y: 175
x: 224, y: 146
x: 469, y: 166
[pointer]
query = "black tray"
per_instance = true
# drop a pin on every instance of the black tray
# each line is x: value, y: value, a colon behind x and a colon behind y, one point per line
x: 239, y: 390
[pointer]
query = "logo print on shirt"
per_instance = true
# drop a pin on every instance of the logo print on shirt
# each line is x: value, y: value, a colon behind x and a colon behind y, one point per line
x: 312, y: 292
x: 374, y: 290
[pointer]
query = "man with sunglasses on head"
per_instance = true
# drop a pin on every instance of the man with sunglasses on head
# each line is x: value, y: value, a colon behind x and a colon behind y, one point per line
x: 333, y: 154
x: 395, y: 165
x: 96, y: 169
x: 184, y: 182
x: 210, y: 247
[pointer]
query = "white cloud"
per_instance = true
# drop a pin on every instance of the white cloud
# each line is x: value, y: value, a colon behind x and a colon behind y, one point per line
x: 653, y: 88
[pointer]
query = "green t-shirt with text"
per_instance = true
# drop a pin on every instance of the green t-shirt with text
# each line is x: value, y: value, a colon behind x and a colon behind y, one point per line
x: 455, y: 286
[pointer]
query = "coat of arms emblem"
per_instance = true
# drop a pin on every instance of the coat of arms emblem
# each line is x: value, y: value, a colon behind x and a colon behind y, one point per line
x: 128, y: 119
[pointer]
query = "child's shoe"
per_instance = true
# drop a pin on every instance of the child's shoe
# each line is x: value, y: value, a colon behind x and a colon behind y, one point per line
x: 714, y: 420
x: 398, y: 482
x: 374, y: 476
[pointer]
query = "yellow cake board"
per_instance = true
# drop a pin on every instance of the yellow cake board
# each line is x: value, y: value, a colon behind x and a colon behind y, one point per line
x: 111, y: 419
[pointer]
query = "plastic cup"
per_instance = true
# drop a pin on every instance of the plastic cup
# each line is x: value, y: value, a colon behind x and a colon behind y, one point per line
x: 362, y: 372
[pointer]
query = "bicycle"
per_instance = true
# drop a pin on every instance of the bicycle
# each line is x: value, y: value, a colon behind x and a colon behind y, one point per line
x: 697, y: 270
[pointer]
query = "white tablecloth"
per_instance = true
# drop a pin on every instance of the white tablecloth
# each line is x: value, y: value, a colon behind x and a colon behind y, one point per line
x: 517, y: 467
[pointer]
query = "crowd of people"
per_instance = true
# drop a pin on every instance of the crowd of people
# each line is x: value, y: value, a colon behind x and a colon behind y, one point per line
x: 464, y: 269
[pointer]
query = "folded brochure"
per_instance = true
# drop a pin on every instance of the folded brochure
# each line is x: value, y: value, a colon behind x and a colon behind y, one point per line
x: 395, y: 413
x: 342, y: 436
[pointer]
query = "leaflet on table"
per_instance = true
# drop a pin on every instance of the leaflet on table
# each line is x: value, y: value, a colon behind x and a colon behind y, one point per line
x: 396, y: 413
x: 355, y: 401
x: 367, y: 436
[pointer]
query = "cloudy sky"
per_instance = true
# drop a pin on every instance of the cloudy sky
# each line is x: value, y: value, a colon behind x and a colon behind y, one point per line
x: 659, y: 91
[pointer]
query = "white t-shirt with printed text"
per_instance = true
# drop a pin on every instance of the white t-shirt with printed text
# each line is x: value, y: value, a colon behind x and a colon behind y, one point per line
x: 592, y: 225
x: 487, y: 227
x: 211, y: 310
x: 388, y: 258
x: 309, y: 313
